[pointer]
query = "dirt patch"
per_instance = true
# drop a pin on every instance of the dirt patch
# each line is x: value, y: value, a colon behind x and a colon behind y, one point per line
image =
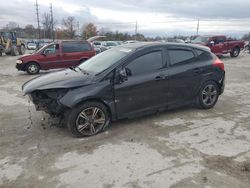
x: 229, y: 166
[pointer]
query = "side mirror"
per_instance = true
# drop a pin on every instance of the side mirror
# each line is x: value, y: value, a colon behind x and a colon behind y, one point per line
x: 57, y: 46
x: 211, y: 43
x: 122, y: 75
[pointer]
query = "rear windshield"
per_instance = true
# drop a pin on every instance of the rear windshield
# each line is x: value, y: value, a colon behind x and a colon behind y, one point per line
x: 201, y: 40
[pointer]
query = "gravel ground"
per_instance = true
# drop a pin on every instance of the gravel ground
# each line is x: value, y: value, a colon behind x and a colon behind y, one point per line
x: 186, y: 147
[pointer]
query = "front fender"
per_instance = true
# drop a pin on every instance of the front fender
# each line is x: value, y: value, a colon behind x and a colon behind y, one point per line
x: 102, y: 91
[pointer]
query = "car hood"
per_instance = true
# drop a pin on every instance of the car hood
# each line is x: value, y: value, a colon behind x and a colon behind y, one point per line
x: 26, y: 56
x: 62, y: 79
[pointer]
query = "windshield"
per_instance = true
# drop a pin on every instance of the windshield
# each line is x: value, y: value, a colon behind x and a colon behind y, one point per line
x: 104, y: 60
x: 201, y: 40
x: 42, y: 49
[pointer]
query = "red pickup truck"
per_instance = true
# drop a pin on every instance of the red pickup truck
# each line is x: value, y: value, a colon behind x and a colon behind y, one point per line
x: 220, y: 45
x: 56, y: 55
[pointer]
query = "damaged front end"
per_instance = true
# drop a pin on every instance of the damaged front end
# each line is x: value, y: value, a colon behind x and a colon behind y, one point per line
x: 48, y: 101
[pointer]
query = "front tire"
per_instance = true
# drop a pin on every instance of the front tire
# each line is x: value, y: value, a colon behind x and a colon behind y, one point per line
x: 235, y: 52
x: 88, y: 119
x: 208, y: 95
x: 32, y: 68
x: 14, y: 51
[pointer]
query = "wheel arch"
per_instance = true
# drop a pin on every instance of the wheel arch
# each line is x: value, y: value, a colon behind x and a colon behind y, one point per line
x: 83, y: 59
x: 210, y: 80
x: 235, y: 47
x: 98, y: 100
x: 29, y: 62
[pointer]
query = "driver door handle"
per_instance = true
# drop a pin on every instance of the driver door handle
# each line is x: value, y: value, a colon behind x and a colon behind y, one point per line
x: 198, y: 70
x: 160, y: 77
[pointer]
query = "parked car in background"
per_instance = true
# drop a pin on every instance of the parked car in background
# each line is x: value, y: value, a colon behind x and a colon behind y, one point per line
x: 31, y: 46
x: 110, y: 44
x: 220, y: 45
x: 175, y: 40
x: 56, y: 55
x: 131, y: 41
x: 99, y: 46
x: 128, y: 81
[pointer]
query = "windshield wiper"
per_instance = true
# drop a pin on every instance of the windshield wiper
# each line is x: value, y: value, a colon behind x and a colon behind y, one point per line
x: 83, y: 71
x: 72, y: 68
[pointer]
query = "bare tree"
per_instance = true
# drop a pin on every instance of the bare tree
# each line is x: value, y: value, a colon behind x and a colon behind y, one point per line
x: 89, y: 30
x: 46, y: 22
x: 11, y: 25
x: 29, y: 30
x: 70, y: 26
x: 47, y: 25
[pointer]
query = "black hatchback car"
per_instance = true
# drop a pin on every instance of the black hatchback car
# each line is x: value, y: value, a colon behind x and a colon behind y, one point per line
x: 126, y: 81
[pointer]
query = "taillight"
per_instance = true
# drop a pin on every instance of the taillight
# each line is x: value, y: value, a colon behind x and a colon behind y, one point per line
x: 218, y: 63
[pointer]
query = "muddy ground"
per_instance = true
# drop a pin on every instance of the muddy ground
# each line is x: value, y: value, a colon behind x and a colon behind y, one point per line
x: 186, y: 147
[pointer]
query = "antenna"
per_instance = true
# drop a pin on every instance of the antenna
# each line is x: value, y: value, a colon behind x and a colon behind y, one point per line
x: 38, y: 21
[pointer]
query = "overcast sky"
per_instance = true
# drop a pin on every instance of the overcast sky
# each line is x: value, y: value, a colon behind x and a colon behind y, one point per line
x: 154, y: 17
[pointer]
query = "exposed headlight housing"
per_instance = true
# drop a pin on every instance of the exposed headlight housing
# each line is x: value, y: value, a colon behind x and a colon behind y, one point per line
x: 19, y: 61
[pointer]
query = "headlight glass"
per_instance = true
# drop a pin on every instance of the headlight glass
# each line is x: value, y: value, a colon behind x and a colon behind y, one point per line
x: 19, y: 61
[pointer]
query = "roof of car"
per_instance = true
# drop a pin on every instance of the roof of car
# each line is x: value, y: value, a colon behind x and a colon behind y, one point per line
x: 154, y: 44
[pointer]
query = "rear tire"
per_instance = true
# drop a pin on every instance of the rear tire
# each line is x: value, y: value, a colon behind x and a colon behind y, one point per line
x: 32, y: 68
x: 88, y: 119
x: 235, y: 52
x: 208, y: 95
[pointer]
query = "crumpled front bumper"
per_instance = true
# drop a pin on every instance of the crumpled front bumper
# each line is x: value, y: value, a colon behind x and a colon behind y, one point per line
x: 20, y: 67
x: 44, y: 103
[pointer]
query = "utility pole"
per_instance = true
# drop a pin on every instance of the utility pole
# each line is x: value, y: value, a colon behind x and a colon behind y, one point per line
x: 38, y: 21
x: 52, y: 22
x: 78, y: 29
x: 198, y: 27
x: 135, y: 30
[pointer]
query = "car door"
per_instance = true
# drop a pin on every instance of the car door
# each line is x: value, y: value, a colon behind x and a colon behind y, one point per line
x: 48, y: 59
x: 74, y: 52
x: 184, y: 74
x: 69, y: 54
x: 219, y: 47
x: 145, y: 86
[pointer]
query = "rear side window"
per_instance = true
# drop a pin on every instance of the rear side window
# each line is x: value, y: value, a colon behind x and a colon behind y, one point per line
x: 219, y: 40
x: 69, y: 47
x: 180, y: 56
x: 146, y: 63
x: 203, y: 55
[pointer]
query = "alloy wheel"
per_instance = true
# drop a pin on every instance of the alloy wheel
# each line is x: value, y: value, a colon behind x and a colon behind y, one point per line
x: 209, y: 95
x: 90, y: 121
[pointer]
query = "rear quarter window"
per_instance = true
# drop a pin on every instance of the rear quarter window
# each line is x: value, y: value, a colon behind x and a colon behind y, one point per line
x: 203, y: 55
x: 181, y: 56
x: 75, y: 47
